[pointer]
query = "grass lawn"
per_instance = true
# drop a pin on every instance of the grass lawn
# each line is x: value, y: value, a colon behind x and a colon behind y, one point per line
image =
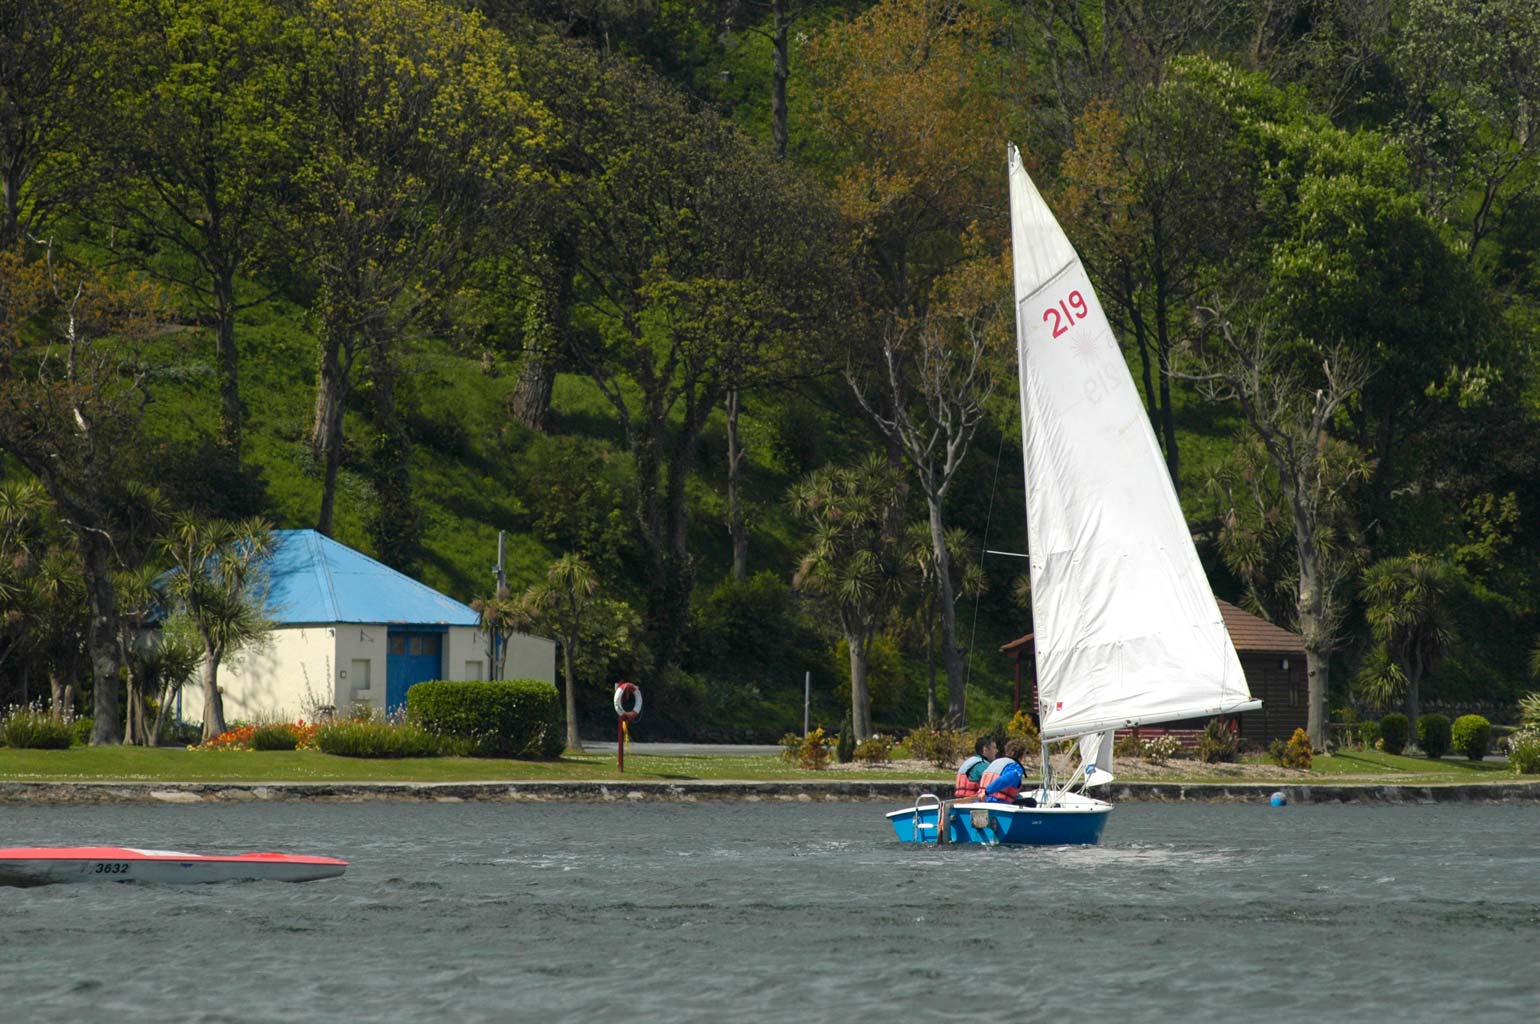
x: 1352, y: 765
x: 138, y: 764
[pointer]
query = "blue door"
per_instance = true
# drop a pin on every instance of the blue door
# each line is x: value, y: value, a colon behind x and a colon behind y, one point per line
x: 416, y: 656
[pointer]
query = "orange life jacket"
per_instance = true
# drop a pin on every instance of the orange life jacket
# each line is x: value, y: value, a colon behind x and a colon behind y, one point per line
x: 1002, y: 780
x: 968, y: 788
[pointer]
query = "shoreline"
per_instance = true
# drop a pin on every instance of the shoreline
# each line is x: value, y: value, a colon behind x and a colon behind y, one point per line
x: 620, y: 790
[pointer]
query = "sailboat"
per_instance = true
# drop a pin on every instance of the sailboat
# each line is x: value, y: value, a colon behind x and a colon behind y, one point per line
x: 1127, y: 631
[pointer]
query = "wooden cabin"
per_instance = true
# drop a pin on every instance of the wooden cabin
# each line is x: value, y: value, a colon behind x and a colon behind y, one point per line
x: 1272, y: 658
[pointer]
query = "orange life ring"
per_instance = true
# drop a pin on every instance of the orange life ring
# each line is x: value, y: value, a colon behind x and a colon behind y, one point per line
x: 622, y: 690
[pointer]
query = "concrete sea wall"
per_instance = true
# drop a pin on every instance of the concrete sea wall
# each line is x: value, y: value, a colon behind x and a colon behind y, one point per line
x: 888, y: 790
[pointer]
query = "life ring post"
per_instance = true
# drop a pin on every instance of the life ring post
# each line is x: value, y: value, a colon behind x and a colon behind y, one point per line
x: 623, y: 690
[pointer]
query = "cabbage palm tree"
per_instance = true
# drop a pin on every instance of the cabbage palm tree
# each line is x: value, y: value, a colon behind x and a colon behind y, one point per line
x: 562, y: 601
x: 218, y: 582
x: 854, y: 561
x: 1407, y: 608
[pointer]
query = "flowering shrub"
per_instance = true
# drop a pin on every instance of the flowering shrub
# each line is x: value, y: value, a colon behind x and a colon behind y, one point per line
x: 371, y: 737
x: 943, y: 748
x: 238, y: 738
x: 266, y: 736
x: 32, y: 726
x: 1218, y: 744
x: 1524, y: 751
x: 1160, y: 749
x: 1296, y: 753
x: 811, y: 751
x: 877, y: 750
x: 1020, y: 727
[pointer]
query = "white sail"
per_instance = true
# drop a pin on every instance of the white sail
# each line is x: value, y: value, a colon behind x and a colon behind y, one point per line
x: 1096, y: 758
x: 1127, y: 629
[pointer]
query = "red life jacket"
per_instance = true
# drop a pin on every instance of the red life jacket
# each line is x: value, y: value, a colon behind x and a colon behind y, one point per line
x: 967, y: 788
x: 1002, y: 780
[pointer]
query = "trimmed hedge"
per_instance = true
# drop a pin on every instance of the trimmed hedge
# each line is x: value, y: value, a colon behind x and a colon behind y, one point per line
x: 506, y: 718
x: 1433, y: 735
x: 1472, y: 736
x: 1393, y: 732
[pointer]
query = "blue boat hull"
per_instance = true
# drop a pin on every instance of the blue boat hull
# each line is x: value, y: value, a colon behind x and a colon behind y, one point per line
x: 1002, y: 824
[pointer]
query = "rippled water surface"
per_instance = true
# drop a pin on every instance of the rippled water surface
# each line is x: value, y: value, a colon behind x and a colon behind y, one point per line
x: 786, y: 912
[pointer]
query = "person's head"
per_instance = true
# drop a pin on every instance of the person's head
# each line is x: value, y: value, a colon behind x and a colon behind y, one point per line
x: 985, y: 747
x: 1018, y: 750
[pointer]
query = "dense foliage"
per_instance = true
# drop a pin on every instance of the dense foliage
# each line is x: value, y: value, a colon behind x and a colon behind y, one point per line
x: 1434, y: 735
x: 707, y: 308
x: 510, y: 718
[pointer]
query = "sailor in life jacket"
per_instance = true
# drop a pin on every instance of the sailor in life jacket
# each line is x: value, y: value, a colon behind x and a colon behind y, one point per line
x: 971, y: 771
x: 1002, y: 780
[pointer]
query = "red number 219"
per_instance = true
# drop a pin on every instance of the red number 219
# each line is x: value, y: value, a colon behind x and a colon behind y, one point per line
x: 1064, y: 316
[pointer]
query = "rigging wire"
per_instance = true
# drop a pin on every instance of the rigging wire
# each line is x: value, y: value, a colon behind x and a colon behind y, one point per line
x: 983, y: 550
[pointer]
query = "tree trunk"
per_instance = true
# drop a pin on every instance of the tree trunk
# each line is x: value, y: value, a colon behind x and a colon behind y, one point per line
x: 231, y: 414
x: 1163, y: 356
x: 102, y: 639
x: 530, y: 402
x: 930, y: 658
x: 1413, y: 695
x: 860, y: 701
x: 1314, y: 627
x: 132, y: 727
x: 56, y: 693
x: 395, y: 525
x: 213, y: 703
x: 779, y: 76
x: 546, y: 336
x: 951, y: 652
x: 735, y: 525
x: 573, y: 742
x: 326, y: 431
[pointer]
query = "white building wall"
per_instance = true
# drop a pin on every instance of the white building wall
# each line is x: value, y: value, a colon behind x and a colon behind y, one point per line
x: 289, y: 672
x: 301, y: 667
x: 360, y: 669
x: 530, y: 657
x: 465, y: 653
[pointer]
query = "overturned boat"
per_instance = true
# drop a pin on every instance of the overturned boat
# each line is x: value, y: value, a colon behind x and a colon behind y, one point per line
x: 45, y: 865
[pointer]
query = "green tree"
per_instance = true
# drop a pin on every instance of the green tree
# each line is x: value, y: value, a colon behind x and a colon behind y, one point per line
x: 853, y: 563
x: 703, y: 265
x: 1407, y: 605
x: 966, y: 578
x: 73, y: 386
x: 206, y: 133
x: 563, y: 601
x: 416, y: 127
x: 218, y: 582
x: 51, y: 90
x: 1291, y: 413
x: 934, y: 385
x: 1470, y: 85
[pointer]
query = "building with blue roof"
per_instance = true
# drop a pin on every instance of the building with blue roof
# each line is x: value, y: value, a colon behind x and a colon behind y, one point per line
x: 349, y: 631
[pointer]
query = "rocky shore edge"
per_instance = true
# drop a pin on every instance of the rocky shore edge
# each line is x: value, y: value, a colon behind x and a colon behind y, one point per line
x: 889, y: 790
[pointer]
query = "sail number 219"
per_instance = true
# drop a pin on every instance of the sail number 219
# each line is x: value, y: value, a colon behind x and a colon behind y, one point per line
x: 1067, y: 313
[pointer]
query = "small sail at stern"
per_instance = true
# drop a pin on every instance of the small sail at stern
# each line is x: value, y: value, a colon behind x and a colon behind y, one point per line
x: 1127, y: 629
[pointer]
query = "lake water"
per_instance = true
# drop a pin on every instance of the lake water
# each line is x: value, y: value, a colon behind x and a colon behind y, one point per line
x: 786, y: 912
